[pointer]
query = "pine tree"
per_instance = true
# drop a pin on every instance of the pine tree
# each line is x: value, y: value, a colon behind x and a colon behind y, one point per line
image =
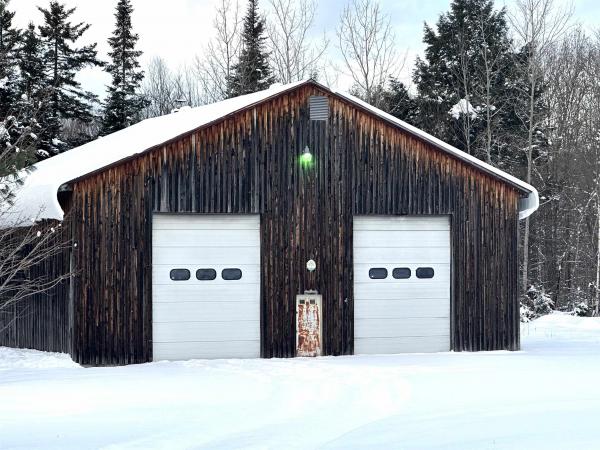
x: 62, y: 61
x: 462, y: 81
x: 124, y: 104
x: 18, y: 143
x: 18, y: 126
x: 32, y: 79
x: 33, y: 92
x: 9, y: 40
x: 252, y: 72
x: 398, y: 102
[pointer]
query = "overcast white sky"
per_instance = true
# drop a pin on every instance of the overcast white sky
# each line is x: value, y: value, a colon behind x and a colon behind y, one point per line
x: 178, y: 29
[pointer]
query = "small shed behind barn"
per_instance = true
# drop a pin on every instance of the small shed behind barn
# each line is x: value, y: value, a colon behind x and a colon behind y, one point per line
x: 191, y: 233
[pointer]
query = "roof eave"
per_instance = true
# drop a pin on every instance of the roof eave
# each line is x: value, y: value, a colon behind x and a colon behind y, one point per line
x: 194, y: 130
x: 527, y: 205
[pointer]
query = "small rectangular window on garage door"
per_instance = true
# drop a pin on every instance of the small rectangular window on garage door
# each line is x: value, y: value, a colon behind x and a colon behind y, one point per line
x: 206, y: 274
x: 401, y: 273
x: 180, y: 274
x: 378, y: 273
x: 425, y: 272
x: 231, y: 274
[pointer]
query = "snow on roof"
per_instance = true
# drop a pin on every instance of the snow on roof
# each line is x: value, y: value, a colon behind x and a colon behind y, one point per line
x: 527, y: 205
x: 37, y: 197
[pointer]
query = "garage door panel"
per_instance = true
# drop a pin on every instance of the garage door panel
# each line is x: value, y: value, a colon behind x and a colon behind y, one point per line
x: 399, y: 239
x: 206, y: 318
x: 382, y: 328
x: 238, y: 330
x: 401, y: 315
x: 408, y: 255
x: 210, y: 310
x: 396, y: 309
x: 391, y: 291
x: 209, y: 255
x: 190, y: 350
x: 424, y: 344
x: 205, y: 238
x: 238, y: 292
x: 161, y: 274
x: 402, y: 223
x: 208, y: 222
x: 441, y: 274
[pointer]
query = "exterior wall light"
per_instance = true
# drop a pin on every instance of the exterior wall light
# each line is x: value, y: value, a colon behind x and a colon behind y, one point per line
x: 306, y: 159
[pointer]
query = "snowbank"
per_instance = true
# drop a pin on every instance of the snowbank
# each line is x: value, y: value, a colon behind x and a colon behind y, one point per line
x: 561, y: 331
x: 544, y: 397
x: 17, y: 358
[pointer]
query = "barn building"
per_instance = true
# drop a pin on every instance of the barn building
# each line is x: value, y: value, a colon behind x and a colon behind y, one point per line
x: 192, y: 235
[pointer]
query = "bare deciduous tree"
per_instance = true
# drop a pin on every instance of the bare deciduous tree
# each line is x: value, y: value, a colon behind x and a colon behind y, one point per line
x: 367, y: 44
x: 188, y: 89
x: 593, y: 160
x: 491, y: 67
x: 564, y: 261
x: 23, y: 251
x: 537, y: 25
x: 293, y: 55
x: 158, y: 89
x: 561, y: 258
x: 25, y: 246
x: 167, y: 90
x: 214, y: 67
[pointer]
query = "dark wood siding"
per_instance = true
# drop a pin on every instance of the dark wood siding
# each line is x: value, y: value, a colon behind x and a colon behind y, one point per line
x: 42, y: 321
x: 248, y: 163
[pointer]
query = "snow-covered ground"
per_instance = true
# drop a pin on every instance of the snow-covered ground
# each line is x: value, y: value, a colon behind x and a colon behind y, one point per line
x: 544, y: 397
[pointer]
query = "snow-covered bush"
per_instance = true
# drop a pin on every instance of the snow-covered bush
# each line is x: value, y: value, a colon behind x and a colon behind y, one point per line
x: 579, y: 301
x: 581, y: 309
x: 527, y: 314
x: 535, y: 303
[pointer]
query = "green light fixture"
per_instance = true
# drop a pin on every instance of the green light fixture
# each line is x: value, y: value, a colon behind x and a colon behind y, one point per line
x: 306, y: 158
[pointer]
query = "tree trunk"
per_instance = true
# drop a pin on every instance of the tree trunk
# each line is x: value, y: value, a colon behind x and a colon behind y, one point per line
x: 529, y: 164
x: 597, y: 312
x: 525, y: 255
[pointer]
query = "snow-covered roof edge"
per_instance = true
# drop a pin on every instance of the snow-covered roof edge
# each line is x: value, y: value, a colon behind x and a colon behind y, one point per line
x: 37, y: 198
x: 527, y: 205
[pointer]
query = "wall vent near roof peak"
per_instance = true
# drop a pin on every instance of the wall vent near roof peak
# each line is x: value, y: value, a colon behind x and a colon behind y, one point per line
x: 319, y: 107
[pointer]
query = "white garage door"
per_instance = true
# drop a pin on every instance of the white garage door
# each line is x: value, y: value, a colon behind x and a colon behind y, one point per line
x: 205, y: 286
x: 401, y: 284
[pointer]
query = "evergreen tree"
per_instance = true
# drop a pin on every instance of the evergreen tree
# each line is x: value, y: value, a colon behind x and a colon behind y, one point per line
x: 252, y: 72
x: 32, y: 103
x: 462, y: 82
x: 398, y: 102
x: 124, y: 105
x: 62, y: 61
x: 32, y: 78
x: 18, y: 143
x: 18, y: 126
x: 9, y: 40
